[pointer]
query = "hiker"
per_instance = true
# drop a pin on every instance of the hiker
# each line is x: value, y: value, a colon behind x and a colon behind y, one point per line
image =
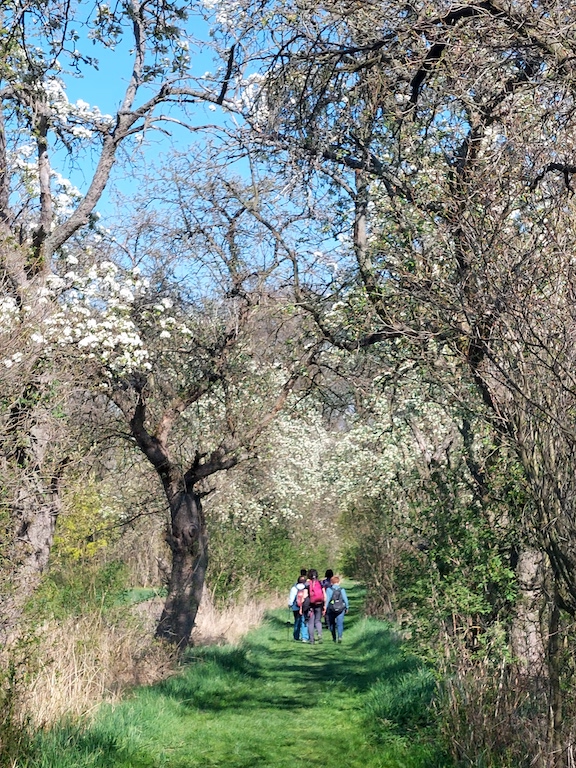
x: 327, y: 576
x: 336, y: 608
x: 317, y: 606
x: 326, y: 583
x: 298, y: 593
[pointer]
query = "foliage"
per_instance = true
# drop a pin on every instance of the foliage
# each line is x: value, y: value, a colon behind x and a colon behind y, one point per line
x: 72, y: 319
x: 402, y: 248
x: 276, y: 514
x: 372, y: 552
x: 439, y: 125
x: 75, y: 591
x: 261, y: 558
x: 433, y: 531
x: 462, y: 571
x: 85, y: 528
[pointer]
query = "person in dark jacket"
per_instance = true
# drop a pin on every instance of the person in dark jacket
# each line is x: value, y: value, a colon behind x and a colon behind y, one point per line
x: 327, y: 576
x: 326, y: 583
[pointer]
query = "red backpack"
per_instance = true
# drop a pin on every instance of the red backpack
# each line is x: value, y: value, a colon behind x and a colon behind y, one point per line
x: 316, y: 593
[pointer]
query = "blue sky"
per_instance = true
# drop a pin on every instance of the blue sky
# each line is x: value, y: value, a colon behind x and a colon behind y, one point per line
x: 104, y: 87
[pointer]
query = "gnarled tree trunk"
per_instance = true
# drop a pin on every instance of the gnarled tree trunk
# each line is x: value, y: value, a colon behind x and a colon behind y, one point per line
x: 188, y: 541
x: 187, y: 536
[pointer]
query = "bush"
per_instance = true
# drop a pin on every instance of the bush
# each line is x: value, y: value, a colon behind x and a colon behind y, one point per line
x: 15, y: 734
x: 267, y: 558
x: 404, y: 701
x: 76, y: 590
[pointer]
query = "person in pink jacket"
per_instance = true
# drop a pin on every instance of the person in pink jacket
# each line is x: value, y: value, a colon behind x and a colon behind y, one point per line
x: 317, y: 595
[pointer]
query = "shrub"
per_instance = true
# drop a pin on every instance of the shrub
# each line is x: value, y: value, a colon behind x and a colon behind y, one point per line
x: 75, y: 590
x: 404, y: 701
x: 15, y: 733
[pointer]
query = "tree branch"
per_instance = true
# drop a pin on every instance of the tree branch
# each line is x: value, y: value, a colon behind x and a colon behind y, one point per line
x: 226, y: 81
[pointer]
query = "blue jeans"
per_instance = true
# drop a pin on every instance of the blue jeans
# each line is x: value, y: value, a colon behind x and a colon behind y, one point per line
x: 300, y: 627
x: 336, y: 624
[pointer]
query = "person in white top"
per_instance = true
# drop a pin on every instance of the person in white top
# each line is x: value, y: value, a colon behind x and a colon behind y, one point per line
x: 297, y: 592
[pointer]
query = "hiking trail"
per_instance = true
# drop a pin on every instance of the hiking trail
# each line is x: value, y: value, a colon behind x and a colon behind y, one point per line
x: 272, y: 702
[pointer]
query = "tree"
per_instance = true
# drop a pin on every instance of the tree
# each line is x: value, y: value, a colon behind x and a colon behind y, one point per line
x: 41, y: 213
x: 206, y: 349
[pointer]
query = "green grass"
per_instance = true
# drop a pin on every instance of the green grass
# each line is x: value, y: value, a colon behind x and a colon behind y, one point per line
x: 269, y: 703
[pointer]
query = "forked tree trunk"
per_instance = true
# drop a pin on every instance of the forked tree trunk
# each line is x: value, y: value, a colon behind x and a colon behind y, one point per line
x: 187, y: 536
x: 188, y: 540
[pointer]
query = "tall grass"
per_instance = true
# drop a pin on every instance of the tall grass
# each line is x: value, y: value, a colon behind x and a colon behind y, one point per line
x: 82, y: 661
x: 218, y: 625
x: 493, y: 717
x: 403, y: 701
x: 15, y: 729
x: 86, y: 660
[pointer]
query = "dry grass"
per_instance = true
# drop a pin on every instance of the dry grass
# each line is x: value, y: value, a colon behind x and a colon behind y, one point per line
x: 495, y: 717
x: 85, y: 661
x: 82, y: 662
x: 228, y: 625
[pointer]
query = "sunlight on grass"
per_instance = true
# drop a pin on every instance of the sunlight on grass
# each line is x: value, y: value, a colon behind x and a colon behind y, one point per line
x: 268, y: 703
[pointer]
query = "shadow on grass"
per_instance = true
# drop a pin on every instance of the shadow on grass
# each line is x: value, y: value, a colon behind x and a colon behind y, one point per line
x: 272, y: 671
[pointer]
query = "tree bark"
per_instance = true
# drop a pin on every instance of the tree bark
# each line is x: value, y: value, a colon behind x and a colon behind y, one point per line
x: 188, y: 541
x: 33, y: 449
x: 35, y: 511
x: 526, y: 632
x: 187, y: 535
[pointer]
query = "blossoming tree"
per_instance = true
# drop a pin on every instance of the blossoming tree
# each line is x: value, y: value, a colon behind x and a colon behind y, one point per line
x: 42, y: 133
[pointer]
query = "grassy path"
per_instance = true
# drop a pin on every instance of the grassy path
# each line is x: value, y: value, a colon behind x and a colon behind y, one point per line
x: 270, y: 703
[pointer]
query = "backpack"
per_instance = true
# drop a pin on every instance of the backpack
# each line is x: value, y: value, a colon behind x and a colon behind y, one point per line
x: 301, y: 595
x: 336, y: 604
x: 316, y: 594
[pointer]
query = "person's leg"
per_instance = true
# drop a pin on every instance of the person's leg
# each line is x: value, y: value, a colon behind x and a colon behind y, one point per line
x: 297, y: 625
x: 331, y: 618
x: 311, y: 619
x: 340, y: 626
x: 318, y: 620
x: 304, y: 634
